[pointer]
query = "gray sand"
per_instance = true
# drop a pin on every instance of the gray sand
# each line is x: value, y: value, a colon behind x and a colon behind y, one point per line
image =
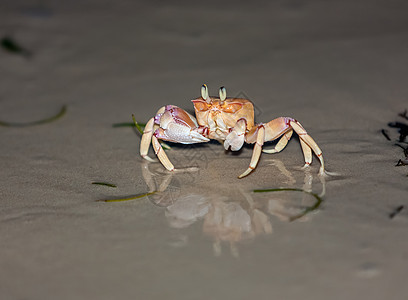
x: 339, y: 68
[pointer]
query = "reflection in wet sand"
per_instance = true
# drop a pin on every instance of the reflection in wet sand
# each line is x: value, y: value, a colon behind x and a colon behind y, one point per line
x: 230, y: 215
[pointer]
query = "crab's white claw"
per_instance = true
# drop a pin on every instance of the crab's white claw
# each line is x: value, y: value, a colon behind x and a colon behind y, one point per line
x: 236, y: 138
x: 234, y: 141
x: 176, y: 125
x: 178, y: 133
x: 148, y: 158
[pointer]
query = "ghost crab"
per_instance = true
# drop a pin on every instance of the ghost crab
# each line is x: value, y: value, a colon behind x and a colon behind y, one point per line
x: 228, y: 120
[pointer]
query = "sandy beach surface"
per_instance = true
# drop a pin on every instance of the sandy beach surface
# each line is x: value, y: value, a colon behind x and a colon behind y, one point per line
x: 339, y: 67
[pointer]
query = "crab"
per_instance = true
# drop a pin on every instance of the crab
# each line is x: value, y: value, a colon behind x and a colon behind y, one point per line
x: 227, y: 120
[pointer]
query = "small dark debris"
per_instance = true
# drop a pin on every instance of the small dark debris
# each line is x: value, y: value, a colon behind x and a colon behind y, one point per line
x: 105, y: 184
x: 385, y: 133
x: 403, y: 129
x: 402, y: 163
x: 10, y: 45
x: 405, y: 149
x: 404, y: 115
x: 396, y: 211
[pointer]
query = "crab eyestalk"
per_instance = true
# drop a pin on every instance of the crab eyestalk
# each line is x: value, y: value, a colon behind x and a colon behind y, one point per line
x: 223, y: 94
x: 204, y: 93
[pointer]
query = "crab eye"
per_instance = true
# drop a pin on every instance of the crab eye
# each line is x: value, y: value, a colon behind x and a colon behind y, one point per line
x: 232, y: 108
x: 200, y: 105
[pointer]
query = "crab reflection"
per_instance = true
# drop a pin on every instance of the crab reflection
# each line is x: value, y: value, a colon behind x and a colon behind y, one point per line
x: 233, y: 214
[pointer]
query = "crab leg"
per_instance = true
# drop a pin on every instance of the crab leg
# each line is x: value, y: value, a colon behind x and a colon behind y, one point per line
x: 307, y: 153
x: 146, y: 139
x: 147, y: 136
x: 281, y: 144
x: 285, y: 126
x: 308, y: 144
x: 173, y: 124
x: 260, y: 138
x: 161, y: 154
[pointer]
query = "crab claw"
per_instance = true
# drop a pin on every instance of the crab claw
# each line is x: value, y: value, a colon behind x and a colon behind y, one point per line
x: 235, y: 139
x: 177, y: 125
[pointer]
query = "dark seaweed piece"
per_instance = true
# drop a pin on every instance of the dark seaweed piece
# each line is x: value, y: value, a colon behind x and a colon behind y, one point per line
x: 137, y: 125
x: 62, y: 112
x: 105, y: 184
x: 403, y: 129
x: 404, y: 115
x: 385, y: 133
x: 8, y: 44
x: 307, y: 210
x: 140, y: 128
x: 402, y: 163
x: 403, y: 148
x: 127, y: 198
x: 396, y: 211
x: 124, y: 124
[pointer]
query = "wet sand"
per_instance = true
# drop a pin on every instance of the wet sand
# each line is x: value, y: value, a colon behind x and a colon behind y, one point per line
x: 338, y: 68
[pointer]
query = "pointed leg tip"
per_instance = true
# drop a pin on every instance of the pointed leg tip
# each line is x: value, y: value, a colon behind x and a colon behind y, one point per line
x: 242, y: 175
x: 246, y: 173
x: 269, y: 151
x: 146, y: 157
